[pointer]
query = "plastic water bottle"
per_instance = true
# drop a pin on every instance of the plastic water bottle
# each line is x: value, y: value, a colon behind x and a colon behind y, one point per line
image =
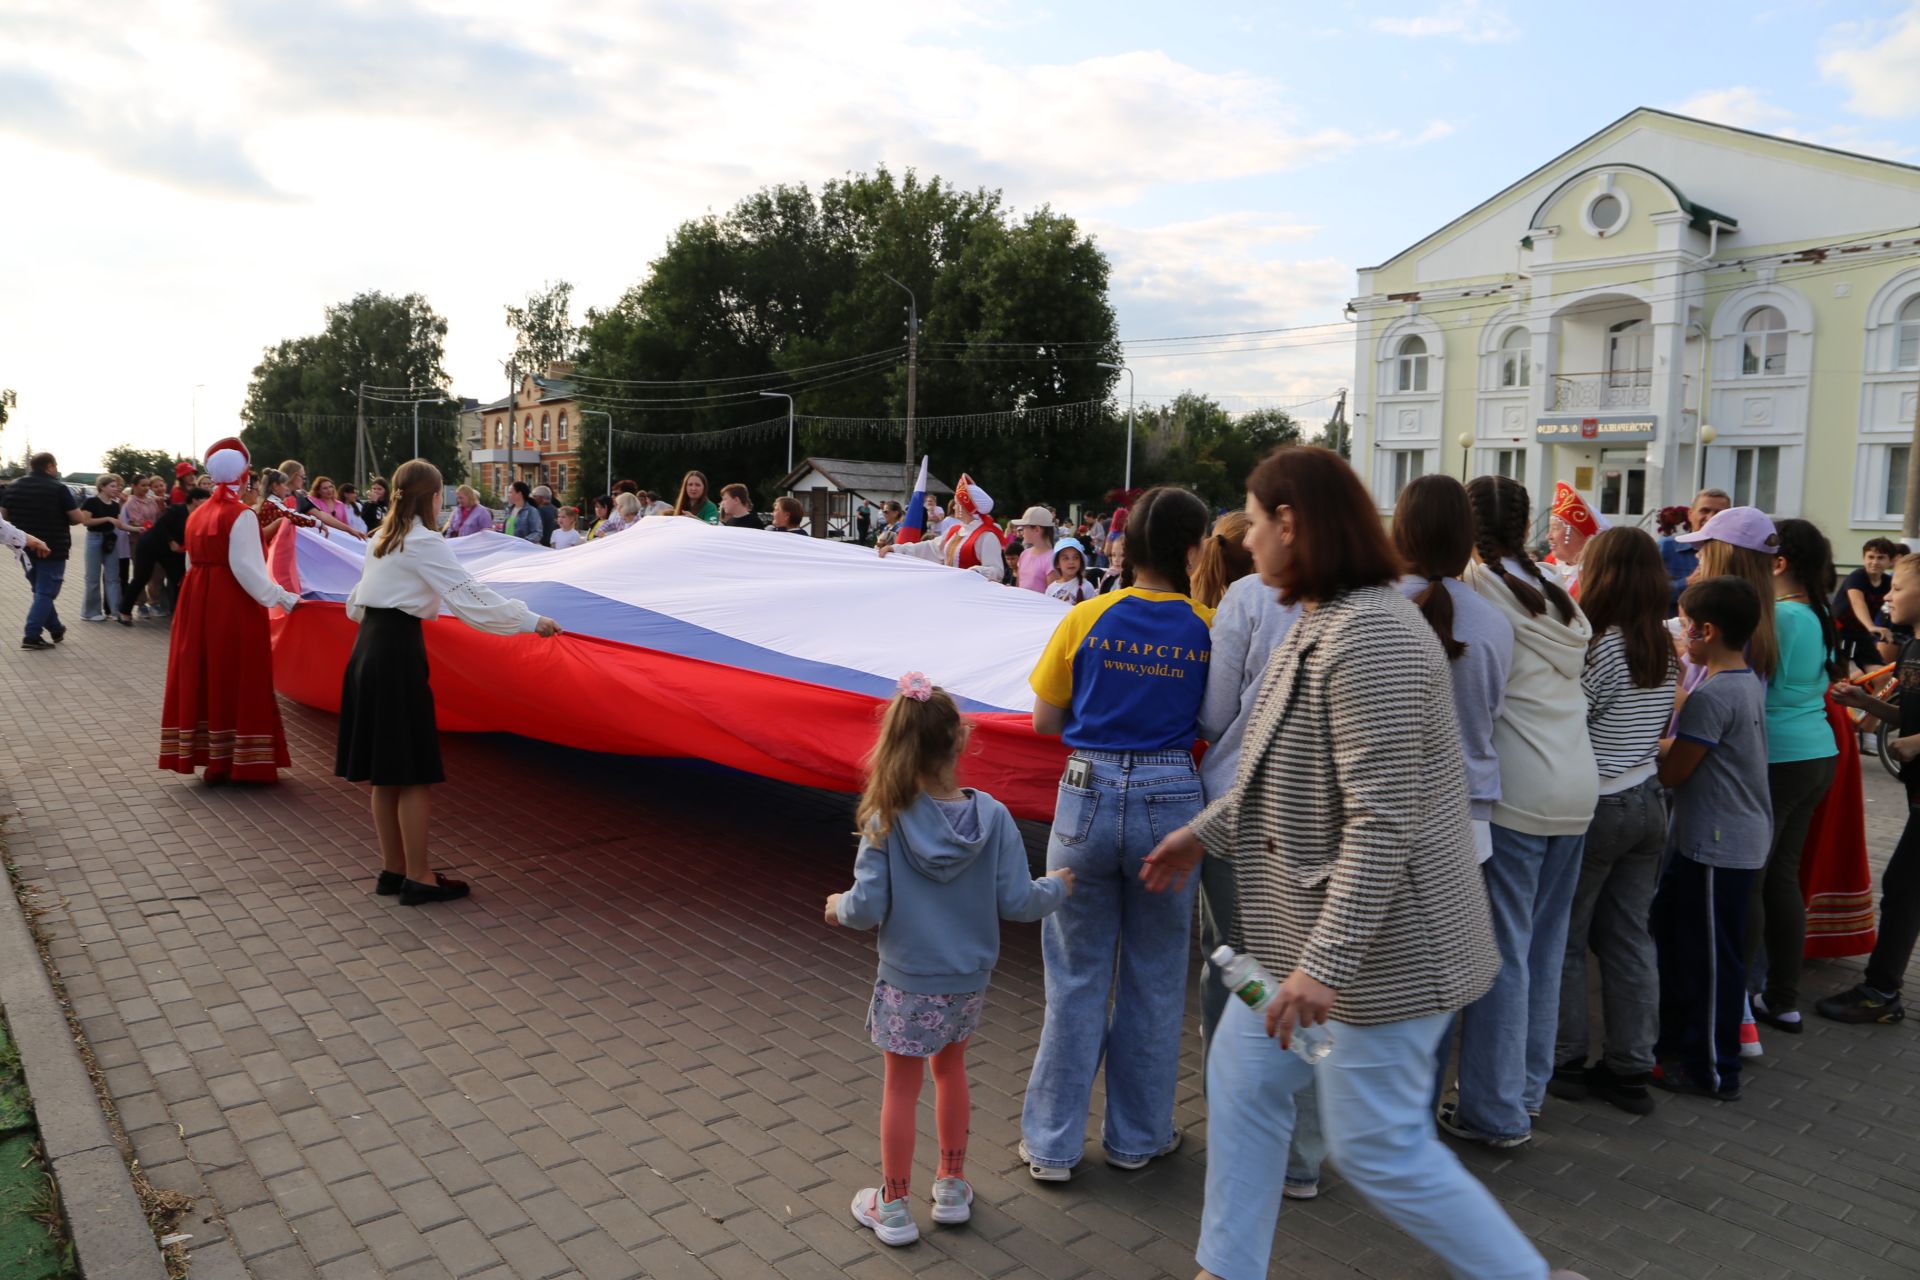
x: 1246, y: 978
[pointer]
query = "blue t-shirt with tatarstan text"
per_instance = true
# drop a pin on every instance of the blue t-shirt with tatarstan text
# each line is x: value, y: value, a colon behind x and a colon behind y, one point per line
x: 1130, y: 668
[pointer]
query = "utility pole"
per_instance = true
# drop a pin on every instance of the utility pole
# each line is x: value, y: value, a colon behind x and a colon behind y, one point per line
x: 1127, y: 482
x: 360, y: 441
x: 601, y: 413
x: 913, y: 370
x: 416, y: 428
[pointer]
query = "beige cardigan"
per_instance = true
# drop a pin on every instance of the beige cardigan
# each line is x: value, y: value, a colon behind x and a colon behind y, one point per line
x: 1347, y: 824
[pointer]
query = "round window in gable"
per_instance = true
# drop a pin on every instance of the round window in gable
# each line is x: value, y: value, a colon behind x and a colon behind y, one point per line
x: 1606, y: 213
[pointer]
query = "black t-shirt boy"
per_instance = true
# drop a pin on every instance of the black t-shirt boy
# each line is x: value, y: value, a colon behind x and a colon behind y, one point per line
x: 1843, y: 615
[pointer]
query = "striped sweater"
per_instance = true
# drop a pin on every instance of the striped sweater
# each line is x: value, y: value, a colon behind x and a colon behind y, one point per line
x: 1624, y: 722
x: 1347, y: 824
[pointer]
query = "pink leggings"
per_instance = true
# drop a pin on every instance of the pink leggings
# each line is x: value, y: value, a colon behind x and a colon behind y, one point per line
x: 952, y: 1108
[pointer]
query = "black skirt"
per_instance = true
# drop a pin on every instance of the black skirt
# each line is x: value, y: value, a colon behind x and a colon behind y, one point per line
x: 387, y: 731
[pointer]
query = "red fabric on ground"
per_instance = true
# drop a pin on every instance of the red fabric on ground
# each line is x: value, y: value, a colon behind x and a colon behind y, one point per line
x: 1835, y: 880
x: 604, y: 696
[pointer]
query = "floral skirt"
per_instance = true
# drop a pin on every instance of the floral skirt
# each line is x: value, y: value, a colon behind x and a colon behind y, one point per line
x: 918, y: 1026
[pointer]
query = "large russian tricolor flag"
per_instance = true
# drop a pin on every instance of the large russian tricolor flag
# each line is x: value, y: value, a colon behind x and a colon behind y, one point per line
x: 914, y: 526
x: 754, y: 650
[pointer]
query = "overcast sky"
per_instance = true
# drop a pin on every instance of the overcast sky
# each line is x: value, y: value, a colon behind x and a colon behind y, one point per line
x: 188, y: 183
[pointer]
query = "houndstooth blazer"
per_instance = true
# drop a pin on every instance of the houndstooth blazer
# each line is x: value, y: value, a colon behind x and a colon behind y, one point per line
x: 1347, y: 824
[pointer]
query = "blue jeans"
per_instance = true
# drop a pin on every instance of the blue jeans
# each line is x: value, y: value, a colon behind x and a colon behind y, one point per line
x: 102, y: 579
x: 1376, y: 1105
x: 45, y: 577
x: 1113, y: 937
x: 1218, y: 903
x: 1507, y: 1035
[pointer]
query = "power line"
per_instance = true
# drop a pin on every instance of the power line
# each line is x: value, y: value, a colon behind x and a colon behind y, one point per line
x: 893, y: 352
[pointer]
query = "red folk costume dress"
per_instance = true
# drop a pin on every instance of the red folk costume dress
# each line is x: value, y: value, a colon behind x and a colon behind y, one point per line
x: 220, y: 712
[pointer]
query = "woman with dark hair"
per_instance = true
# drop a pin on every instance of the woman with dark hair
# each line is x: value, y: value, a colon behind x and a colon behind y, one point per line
x: 1801, y: 758
x: 1351, y: 847
x: 1433, y: 532
x: 1121, y: 683
x: 1548, y: 788
x: 693, y: 500
x: 1629, y: 682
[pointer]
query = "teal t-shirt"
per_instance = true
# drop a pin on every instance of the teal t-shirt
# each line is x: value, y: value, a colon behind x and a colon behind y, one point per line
x: 1797, y: 726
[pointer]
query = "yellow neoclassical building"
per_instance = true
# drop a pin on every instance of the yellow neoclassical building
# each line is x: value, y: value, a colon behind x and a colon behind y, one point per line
x: 1670, y: 303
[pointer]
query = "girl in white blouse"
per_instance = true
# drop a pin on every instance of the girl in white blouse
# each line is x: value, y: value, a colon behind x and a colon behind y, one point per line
x: 388, y: 735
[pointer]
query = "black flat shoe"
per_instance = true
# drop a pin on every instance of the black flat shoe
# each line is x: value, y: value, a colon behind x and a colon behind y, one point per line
x: 389, y: 883
x: 415, y: 894
x: 124, y: 620
x: 57, y: 636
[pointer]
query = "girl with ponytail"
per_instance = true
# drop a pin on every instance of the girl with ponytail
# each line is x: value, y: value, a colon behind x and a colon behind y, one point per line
x: 1121, y: 683
x: 1434, y: 533
x: 939, y: 867
x: 1548, y: 790
x: 1802, y: 756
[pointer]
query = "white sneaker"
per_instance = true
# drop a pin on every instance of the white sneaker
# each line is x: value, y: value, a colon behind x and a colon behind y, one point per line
x: 891, y: 1220
x: 1129, y: 1163
x: 1043, y: 1172
x: 952, y: 1200
x: 1309, y: 1190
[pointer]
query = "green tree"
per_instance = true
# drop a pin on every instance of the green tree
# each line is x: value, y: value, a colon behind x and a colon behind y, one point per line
x: 543, y: 330
x: 1195, y: 442
x: 1337, y: 436
x: 794, y: 282
x: 8, y: 399
x: 128, y: 461
x: 302, y: 398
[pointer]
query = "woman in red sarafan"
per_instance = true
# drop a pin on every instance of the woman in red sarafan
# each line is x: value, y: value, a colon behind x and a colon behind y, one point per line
x: 220, y: 712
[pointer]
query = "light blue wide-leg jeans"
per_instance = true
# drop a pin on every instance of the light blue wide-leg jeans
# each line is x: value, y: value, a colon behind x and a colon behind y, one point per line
x: 1113, y: 938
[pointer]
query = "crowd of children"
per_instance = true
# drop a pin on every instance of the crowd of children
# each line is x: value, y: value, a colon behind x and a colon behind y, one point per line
x: 1666, y: 840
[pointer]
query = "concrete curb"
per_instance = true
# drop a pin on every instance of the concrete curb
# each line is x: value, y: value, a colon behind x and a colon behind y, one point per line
x: 110, y: 1232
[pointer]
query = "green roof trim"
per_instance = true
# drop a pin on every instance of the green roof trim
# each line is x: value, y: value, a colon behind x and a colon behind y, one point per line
x: 1698, y: 215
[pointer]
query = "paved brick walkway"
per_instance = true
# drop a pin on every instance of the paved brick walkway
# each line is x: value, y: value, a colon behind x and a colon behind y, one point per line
x: 636, y: 1051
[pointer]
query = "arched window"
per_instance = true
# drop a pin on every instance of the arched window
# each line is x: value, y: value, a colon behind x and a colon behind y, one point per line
x: 563, y: 425
x: 527, y: 428
x: 543, y: 428
x: 499, y: 427
x: 1516, y: 359
x: 1907, y: 336
x: 1411, y: 364
x: 1763, y: 343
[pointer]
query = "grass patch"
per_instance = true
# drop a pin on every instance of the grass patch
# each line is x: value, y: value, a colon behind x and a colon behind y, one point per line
x: 33, y: 1231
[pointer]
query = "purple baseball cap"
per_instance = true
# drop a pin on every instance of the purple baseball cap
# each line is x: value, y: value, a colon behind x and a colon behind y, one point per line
x: 1748, y: 527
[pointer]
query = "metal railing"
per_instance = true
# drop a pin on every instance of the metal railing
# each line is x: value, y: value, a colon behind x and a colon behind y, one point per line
x: 1618, y: 389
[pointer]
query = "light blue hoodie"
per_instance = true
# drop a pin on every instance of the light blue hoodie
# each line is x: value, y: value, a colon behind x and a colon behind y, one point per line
x: 938, y: 897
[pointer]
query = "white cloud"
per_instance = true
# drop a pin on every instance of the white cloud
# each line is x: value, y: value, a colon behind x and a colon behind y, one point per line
x: 1879, y: 65
x: 1747, y: 108
x: 1466, y: 20
x: 1231, y: 273
x: 1739, y: 106
x: 207, y: 178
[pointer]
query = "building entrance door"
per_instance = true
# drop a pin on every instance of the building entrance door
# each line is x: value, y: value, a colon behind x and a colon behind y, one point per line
x: 1622, y: 485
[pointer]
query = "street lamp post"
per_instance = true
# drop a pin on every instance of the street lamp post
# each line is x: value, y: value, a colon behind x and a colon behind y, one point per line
x: 602, y: 413
x: 1465, y: 441
x: 1128, y: 483
x: 1707, y: 434
x: 789, y: 399
x: 913, y: 367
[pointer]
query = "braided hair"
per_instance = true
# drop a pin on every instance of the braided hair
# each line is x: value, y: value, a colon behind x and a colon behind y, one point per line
x: 1809, y: 558
x: 1501, y: 508
x: 1164, y: 528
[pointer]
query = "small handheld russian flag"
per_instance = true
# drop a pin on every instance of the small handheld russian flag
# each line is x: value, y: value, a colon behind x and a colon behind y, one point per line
x: 914, y: 526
